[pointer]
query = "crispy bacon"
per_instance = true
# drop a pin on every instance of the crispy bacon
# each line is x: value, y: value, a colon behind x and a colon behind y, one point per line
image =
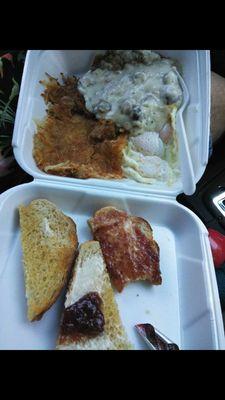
x: 128, y: 247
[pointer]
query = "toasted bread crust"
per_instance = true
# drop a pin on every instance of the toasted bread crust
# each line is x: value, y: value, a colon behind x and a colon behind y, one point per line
x: 114, y: 336
x: 69, y: 262
x: 49, y: 243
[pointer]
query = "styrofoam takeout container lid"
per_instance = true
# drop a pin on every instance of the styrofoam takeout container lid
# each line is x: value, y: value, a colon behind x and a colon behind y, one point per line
x: 196, y: 73
x: 186, y: 306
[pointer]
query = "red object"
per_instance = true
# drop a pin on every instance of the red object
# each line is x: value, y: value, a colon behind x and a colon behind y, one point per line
x: 217, y: 242
x: 8, y: 57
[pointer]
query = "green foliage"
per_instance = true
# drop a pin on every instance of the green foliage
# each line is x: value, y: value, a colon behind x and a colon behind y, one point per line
x: 7, y: 114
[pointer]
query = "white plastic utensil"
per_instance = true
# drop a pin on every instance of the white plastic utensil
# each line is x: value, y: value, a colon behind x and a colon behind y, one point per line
x: 187, y: 172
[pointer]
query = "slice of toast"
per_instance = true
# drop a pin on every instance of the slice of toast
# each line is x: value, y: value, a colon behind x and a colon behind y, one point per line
x: 49, y: 244
x: 90, y: 275
x: 128, y: 247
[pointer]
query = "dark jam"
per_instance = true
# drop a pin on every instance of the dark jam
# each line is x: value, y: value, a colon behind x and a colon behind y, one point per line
x: 84, y: 316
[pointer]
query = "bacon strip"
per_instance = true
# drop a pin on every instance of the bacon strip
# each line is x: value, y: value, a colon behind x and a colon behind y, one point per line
x: 128, y: 247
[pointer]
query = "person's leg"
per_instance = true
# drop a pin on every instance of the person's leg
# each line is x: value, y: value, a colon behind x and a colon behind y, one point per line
x: 217, y: 106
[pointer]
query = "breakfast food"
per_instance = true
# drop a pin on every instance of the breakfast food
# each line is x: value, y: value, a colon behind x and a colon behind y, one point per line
x: 49, y: 244
x: 140, y: 92
x: 116, y: 121
x: 71, y: 141
x: 90, y: 319
x: 128, y: 247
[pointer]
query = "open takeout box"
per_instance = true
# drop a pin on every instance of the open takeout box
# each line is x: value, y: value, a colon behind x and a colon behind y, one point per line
x: 186, y: 306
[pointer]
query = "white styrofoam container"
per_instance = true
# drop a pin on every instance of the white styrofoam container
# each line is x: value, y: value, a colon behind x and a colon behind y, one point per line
x: 31, y: 106
x: 186, y: 306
